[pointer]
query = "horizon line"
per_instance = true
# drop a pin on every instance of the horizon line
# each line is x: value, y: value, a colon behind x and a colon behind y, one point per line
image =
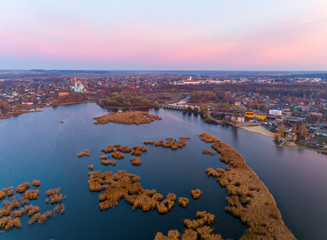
x: 156, y: 70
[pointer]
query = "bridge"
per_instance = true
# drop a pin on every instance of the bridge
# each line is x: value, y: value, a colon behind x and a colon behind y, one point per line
x: 180, y: 107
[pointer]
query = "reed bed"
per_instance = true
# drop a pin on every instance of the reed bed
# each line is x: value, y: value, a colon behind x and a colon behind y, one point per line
x: 36, y: 216
x: 136, y: 161
x: 183, y: 201
x: 105, y: 162
x: 114, y: 187
x: 85, y: 153
x: 194, y: 229
x: 196, y: 194
x: 8, y: 206
x: 3, y: 193
x: 109, y: 149
x: 80, y: 154
x: 90, y: 167
x: 117, y: 155
x: 208, y: 152
x: 10, y: 191
x: 149, y: 142
x: 169, y: 142
x: 249, y: 199
x: 22, y: 187
x: 185, y: 138
x: 207, y: 138
x: 124, y: 149
x: 103, y: 157
x: 12, y: 211
x: 36, y: 183
x: 31, y: 195
x: 139, y: 150
x: 54, y: 196
x: 137, y: 117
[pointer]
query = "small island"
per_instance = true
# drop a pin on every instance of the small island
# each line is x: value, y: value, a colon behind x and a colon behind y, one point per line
x: 137, y: 117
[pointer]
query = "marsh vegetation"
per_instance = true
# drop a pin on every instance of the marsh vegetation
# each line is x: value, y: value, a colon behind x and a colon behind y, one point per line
x: 137, y: 117
x: 194, y: 229
x: 85, y: 153
x: 17, y: 206
x: 114, y: 187
x: 169, y: 142
x: 136, y: 161
x: 196, y: 194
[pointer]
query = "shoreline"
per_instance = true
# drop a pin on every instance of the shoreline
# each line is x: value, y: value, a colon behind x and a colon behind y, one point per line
x: 288, y: 144
x: 40, y: 109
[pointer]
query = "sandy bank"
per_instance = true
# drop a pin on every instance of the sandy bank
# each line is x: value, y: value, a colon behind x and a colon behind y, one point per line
x: 258, y: 129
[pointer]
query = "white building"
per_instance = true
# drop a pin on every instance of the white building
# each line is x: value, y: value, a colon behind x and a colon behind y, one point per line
x: 275, y: 111
x: 238, y: 119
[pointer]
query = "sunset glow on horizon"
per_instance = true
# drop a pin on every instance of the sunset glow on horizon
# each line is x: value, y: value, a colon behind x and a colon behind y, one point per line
x: 164, y: 35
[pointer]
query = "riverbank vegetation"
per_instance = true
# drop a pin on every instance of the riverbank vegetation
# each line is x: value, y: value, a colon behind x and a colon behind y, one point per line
x: 137, y: 117
x: 249, y: 199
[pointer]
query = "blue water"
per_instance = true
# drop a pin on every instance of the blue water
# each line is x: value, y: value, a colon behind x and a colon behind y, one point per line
x: 37, y: 146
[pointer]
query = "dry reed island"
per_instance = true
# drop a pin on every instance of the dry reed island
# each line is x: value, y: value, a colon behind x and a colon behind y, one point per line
x: 257, y: 209
x: 126, y: 185
x: 136, y: 117
x: 17, y: 205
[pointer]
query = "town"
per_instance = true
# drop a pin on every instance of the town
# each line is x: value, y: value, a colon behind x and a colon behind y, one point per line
x: 290, y: 106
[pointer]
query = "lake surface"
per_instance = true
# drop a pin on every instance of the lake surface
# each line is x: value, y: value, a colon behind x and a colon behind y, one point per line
x: 37, y: 146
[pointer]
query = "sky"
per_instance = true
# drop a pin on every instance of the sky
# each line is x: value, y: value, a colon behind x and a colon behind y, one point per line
x: 164, y: 34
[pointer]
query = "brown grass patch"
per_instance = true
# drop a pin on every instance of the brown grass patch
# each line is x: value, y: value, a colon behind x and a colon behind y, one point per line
x: 85, y: 153
x: 10, y: 191
x: 22, y: 187
x: 3, y: 193
x: 124, y: 149
x: 105, y: 162
x: 109, y: 149
x: 103, y: 157
x: 208, y: 152
x: 194, y: 229
x: 136, y: 161
x: 117, y: 155
x: 54, y: 195
x: 183, y: 201
x: 36, y: 183
x: 10, y: 218
x: 196, y: 194
x: 169, y: 142
x: 115, y: 187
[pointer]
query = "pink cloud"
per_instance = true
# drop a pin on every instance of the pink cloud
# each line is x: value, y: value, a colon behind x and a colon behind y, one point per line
x: 297, y: 43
